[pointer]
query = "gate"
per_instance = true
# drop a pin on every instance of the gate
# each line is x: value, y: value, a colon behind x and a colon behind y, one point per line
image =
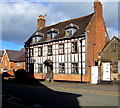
x: 94, y: 71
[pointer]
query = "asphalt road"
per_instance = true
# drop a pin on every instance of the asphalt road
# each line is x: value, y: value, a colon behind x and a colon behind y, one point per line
x: 53, y: 96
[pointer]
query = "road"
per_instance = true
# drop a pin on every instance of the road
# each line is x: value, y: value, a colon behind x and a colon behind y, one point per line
x: 58, y: 95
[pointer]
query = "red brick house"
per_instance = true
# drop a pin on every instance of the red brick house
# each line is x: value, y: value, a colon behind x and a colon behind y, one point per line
x: 68, y: 49
x: 13, y: 60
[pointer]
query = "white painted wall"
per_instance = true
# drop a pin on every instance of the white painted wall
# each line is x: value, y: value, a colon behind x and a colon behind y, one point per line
x: 67, y: 58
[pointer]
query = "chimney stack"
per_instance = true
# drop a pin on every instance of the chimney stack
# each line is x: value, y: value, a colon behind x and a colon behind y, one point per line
x: 41, y: 22
x: 98, y: 8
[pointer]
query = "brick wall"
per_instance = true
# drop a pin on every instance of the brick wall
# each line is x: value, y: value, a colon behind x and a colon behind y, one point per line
x: 10, y: 65
x: 65, y: 77
x: 97, y: 37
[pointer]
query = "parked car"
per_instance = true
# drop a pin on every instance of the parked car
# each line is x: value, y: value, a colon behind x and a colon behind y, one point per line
x: 5, y: 70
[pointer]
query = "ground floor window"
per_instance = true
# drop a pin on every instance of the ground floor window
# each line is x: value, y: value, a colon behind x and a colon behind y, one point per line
x: 74, y: 69
x: 40, y: 68
x: 61, y: 67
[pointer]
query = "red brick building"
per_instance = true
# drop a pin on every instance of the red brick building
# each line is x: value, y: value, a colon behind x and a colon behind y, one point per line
x: 13, y: 60
x: 68, y: 49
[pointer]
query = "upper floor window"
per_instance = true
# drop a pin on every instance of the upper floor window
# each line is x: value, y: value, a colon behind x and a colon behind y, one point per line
x: 74, y: 68
x: 61, y: 67
x: 40, y: 51
x: 114, y: 47
x: 40, y: 68
x: 52, y: 33
x: 74, y: 47
x: 36, y: 38
x: 31, y: 52
x: 71, y: 29
x: 50, y: 50
x: 61, y: 48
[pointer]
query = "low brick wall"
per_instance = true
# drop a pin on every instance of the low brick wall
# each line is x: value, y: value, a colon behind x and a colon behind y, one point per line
x: 65, y: 77
x: 39, y: 76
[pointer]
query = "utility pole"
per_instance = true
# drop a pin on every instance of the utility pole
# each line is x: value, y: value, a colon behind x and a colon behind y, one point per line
x: 81, y: 62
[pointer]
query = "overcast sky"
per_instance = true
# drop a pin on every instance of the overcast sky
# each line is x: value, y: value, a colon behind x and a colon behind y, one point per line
x: 19, y: 19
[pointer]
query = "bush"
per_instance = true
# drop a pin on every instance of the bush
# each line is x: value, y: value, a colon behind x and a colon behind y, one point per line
x: 20, y: 74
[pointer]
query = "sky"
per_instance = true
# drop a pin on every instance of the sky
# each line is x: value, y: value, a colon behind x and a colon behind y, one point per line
x: 19, y: 19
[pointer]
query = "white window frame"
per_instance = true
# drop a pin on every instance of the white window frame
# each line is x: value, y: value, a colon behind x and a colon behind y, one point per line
x: 62, y: 68
x: 74, y: 47
x: 74, y: 68
x: 40, y: 68
x: 50, y: 50
x: 40, y: 51
x: 70, y: 31
x: 61, y: 48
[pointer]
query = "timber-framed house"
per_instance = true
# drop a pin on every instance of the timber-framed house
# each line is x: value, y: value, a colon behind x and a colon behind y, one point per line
x: 68, y: 49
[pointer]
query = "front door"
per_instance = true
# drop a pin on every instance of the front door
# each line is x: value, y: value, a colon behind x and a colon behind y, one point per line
x: 50, y: 72
x: 106, y: 71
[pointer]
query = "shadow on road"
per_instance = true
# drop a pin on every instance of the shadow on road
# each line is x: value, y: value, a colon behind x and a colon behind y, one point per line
x: 36, y: 95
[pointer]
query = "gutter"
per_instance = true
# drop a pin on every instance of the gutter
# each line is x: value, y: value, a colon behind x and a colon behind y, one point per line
x: 55, y: 40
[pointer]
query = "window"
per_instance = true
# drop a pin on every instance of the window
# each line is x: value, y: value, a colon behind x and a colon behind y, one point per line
x: 61, y: 67
x: 51, y: 35
x: 36, y: 39
x: 40, y: 51
x: 71, y: 29
x: 50, y: 50
x: 31, y: 52
x: 68, y: 32
x: 40, y: 68
x: 74, y: 68
x: 19, y: 64
x: 61, y: 48
x: 114, y: 47
x: 74, y: 47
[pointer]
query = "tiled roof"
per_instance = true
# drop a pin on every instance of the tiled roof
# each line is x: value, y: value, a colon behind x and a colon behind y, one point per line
x: 13, y: 55
x: 21, y: 58
x: 81, y: 22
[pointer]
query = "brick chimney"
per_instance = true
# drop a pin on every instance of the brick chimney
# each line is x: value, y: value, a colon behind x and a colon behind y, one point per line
x: 98, y: 8
x: 41, y: 22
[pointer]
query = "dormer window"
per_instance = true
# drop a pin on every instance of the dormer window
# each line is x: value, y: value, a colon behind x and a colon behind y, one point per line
x: 37, y: 36
x: 52, y: 33
x: 71, y: 29
x: 36, y: 39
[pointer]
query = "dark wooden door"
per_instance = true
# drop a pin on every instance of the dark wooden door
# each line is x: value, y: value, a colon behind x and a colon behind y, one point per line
x: 50, y: 72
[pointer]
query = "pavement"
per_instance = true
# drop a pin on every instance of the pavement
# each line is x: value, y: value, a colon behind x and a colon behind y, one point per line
x: 108, y: 89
